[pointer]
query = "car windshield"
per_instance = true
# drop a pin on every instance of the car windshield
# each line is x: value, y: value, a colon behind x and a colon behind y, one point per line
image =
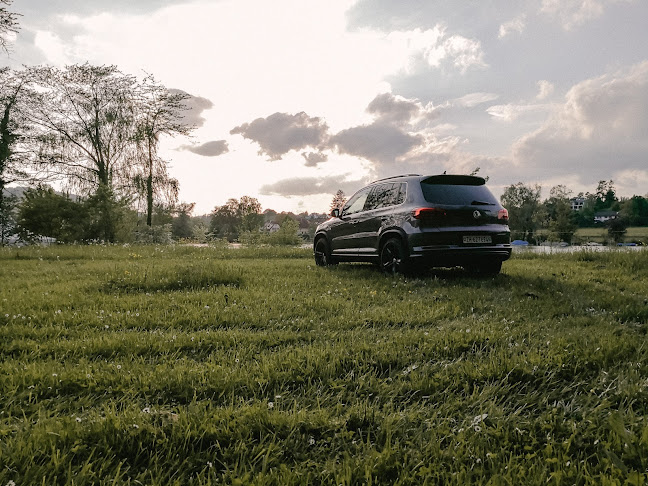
x: 458, y: 194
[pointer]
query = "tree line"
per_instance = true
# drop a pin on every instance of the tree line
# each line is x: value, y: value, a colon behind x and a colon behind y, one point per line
x: 95, y: 130
x: 528, y: 213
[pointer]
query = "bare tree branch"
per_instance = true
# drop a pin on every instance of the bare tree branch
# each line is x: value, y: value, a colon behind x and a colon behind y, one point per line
x: 8, y: 25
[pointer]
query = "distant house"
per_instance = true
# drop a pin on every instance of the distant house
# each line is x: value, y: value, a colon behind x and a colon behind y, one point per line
x: 605, y: 216
x: 270, y: 227
x: 577, y: 203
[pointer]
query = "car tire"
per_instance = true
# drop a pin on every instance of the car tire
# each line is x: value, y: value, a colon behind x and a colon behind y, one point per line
x: 323, y: 256
x: 485, y: 269
x: 394, y: 258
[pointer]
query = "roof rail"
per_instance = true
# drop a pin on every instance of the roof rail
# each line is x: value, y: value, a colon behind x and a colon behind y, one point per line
x: 396, y: 176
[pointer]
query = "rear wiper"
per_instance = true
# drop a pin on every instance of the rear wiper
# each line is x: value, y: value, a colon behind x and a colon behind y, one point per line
x: 481, y: 203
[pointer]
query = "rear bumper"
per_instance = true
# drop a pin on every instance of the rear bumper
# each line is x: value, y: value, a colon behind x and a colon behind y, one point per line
x: 450, y: 255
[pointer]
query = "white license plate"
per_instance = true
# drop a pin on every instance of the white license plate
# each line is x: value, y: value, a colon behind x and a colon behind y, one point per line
x: 477, y: 239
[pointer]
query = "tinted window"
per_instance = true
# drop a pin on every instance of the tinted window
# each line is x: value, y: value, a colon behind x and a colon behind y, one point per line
x: 402, y: 190
x: 458, y: 195
x: 385, y: 195
x: 356, y: 203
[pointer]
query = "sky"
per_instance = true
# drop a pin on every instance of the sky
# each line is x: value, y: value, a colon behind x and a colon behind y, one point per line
x: 295, y: 99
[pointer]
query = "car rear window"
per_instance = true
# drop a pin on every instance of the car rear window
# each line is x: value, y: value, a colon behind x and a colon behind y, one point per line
x: 458, y: 192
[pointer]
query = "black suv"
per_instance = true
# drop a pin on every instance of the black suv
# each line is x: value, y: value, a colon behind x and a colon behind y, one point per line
x: 410, y: 222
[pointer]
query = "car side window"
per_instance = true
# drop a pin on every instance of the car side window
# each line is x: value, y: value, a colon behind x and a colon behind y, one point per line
x: 400, y: 194
x: 356, y: 203
x: 378, y: 197
x: 386, y: 195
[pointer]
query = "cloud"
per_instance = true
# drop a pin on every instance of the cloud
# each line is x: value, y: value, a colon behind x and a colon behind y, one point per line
x: 437, y: 49
x: 545, y: 89
x: 195, y: 106
x: 397, y: 110
x: 632, y: 181
x: 600, y: 127
x: 57, y: 7
x: 511, y: 112
x: 306, y: 186
x: 378, y: 142
x: 280, y: 133
x: 208, y: 149
x: 393, y: 108
x: 473, y: 99
x: 515, y: 26
x: 574, y: 13
x: 314, y: 158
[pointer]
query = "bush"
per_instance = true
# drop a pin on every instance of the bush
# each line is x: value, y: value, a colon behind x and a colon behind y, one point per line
x: 285, y: 236
x: 153, y: 235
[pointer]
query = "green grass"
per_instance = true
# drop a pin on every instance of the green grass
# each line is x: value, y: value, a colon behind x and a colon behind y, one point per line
x: 196, y: 366
x: 600, y: 235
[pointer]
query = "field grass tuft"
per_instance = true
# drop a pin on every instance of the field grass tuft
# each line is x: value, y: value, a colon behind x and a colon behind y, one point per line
x: 197, y: 366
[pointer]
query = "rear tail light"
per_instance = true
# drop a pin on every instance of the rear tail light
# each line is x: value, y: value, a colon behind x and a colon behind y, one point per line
x: 429, y: 216
x: 503, y: 214
x: 424, y: 213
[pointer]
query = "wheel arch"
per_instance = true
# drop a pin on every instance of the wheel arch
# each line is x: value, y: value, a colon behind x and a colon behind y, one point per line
x: 319, y: 236
x: 392, y: 233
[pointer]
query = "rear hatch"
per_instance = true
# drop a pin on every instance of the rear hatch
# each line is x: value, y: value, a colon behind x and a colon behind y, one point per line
x: 464, y: 209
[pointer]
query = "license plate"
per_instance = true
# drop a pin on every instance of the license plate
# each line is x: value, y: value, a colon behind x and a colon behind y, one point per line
x: 477, y: 239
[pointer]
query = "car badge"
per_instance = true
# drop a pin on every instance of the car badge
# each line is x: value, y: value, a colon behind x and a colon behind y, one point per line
x: 476, y: 214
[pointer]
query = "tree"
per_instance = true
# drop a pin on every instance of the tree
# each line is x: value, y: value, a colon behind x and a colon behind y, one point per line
x: 617, y: 228
x: 560, y: 218
x: 234, y: 216
x: 224, y: 220
x: 339, y: 200
x: 8, y: 25
x: 8, y: 219
x: 635, y: 211
x: 562, y: 225
x: 13, y: 130
x: 522, y: 203
x: 249, y: 214
x: 43, y: 212
x: 605, y: 196
x: 287, y: 233
x: 585, y: 217
x: 84, y: 117
x: 182, y: 226
x: 159, y: 112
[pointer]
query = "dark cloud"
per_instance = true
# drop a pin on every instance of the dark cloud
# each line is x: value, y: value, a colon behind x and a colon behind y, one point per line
x: 208, y: 149
x: 196, y: 105
x: 280, y: 133
x: 378, y: 142
x: 308, y: 186
x: 314, y: 158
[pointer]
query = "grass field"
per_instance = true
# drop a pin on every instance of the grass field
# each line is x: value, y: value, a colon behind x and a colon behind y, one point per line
x: 196, y: 366
x: 600, y: 235
x: 634, y: 234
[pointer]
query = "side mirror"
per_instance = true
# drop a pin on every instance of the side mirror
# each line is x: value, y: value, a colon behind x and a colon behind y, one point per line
x: 335, y: 213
